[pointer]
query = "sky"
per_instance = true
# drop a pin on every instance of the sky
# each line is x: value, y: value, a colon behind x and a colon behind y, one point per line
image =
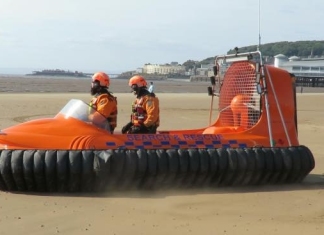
x: 117, y: 36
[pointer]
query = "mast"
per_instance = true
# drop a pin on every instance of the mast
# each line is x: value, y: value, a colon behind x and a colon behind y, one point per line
x: 258, y: 47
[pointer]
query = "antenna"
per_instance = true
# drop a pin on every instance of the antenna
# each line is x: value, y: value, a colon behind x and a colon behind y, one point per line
x: 258, y: 48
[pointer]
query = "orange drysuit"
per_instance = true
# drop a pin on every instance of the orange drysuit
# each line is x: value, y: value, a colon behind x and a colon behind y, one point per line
x: 106, y: 106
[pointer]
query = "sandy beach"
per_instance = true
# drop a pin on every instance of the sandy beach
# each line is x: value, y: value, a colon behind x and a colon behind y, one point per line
x: 290, y: 209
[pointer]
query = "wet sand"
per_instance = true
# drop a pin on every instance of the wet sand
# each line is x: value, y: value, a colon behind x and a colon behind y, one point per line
x: 293, y: 209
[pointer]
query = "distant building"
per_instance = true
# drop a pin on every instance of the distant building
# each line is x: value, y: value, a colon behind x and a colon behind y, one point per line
x: 308, y: 71
x: 204, y: 69
x: 139, y: 70
x: 173, y: 68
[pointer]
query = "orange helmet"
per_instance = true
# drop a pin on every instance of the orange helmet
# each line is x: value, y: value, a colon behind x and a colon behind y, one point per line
x: 102, y: 78
x: 137, y: 80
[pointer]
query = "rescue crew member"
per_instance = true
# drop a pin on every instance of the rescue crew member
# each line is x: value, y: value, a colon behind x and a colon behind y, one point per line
x: 103, y: 102
x: 145, y: 117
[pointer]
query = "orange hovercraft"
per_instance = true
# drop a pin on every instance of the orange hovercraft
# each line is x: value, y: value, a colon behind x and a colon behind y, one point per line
x: 253, y: 141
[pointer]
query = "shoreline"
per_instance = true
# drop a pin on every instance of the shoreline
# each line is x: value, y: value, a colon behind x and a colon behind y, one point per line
x: 21, y: 84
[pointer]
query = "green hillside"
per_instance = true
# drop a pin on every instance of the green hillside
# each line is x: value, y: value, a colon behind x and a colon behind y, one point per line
x: 298, y: 48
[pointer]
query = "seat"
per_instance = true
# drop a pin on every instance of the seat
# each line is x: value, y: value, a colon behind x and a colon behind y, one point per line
x: 240, y: 109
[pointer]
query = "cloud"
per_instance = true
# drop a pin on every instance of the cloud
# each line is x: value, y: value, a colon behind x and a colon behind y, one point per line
x: 127, y: 34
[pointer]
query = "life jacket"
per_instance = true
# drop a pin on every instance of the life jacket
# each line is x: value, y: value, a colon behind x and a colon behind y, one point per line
x: 139, y: 114
x: 112, y: 118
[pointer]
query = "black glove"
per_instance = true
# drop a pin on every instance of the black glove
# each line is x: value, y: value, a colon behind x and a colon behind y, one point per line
x: 127, y: 127
x: 139, y: 129
x: 136, y: 129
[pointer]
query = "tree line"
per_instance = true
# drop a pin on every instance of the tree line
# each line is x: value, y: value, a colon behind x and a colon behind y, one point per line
x: 299, y: 48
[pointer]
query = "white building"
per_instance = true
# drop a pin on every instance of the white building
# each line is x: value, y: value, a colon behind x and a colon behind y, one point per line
x: 309, y: 67
x: 139, y: 70
x: 173, y: 68
x: 204, y: 69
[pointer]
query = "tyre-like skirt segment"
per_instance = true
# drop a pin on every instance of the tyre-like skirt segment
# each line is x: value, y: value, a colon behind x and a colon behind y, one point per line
x: 107, y: 170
